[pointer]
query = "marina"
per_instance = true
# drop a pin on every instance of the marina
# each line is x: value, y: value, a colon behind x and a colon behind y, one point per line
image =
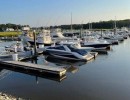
x: 100, y: 76
x: 65, y: 50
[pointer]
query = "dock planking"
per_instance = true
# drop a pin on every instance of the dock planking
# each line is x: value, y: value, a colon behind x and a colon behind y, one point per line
x: 35, y: 67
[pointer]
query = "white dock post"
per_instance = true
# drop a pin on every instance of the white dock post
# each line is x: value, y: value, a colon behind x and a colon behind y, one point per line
x: 15, y: 57
x: 15, y: 48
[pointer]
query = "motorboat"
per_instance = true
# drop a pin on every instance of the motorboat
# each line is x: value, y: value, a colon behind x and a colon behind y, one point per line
x: 74, y: 44
x: 43, y: 38
x: 70, y: 53
x: 77, y: 45
x: 28, y: 40
x: 58, y: 36
x: 119, y: 37
x: 110, y: 39
x: 94, y: 42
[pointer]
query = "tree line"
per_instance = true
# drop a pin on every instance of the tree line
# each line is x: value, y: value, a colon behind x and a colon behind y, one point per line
x: 98, y: 25
x: 94, y: 25
x: 3, y: 27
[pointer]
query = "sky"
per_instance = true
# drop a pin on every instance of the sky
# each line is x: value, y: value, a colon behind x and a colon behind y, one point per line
x: 58, y: 12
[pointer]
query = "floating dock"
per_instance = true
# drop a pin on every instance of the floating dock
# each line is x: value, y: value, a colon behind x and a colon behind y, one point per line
x: 4, y: 72
x: 35, y: 67
x: 100, y: 51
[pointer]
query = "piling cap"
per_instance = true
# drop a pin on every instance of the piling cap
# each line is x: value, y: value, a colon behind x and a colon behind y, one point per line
x: 34, y: 31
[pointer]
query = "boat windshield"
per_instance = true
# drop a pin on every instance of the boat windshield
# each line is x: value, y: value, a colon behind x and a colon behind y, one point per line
x: 58, y: 48
x: 79, y: 51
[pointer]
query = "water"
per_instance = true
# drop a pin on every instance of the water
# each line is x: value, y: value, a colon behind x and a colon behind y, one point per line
x: 105, y: 78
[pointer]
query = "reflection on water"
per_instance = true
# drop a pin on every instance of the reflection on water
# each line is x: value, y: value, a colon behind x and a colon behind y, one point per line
x: 63, y: 62
x: 105, y: 78
x: 4, y: 72
x: 70, y: 66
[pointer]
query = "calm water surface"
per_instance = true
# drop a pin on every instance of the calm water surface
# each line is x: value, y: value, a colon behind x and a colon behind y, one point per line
x: 105, y: 78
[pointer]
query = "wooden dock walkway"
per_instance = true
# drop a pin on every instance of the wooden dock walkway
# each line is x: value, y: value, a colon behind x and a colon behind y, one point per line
x: 6, y: 60
x: 5, y: 70
x: 35, y: 67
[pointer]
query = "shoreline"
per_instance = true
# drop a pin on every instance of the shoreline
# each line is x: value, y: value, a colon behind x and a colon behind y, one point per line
x: 4, y: 96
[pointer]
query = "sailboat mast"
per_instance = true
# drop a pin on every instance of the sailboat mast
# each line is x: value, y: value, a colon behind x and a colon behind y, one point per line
x: 81, y: 31
x: 115, y: 26
x: 89, y: 26
x: 71, y: 22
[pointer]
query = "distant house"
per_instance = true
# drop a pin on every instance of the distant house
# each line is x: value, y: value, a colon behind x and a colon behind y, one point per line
x: 9, y: 29
x: 25, y: 28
